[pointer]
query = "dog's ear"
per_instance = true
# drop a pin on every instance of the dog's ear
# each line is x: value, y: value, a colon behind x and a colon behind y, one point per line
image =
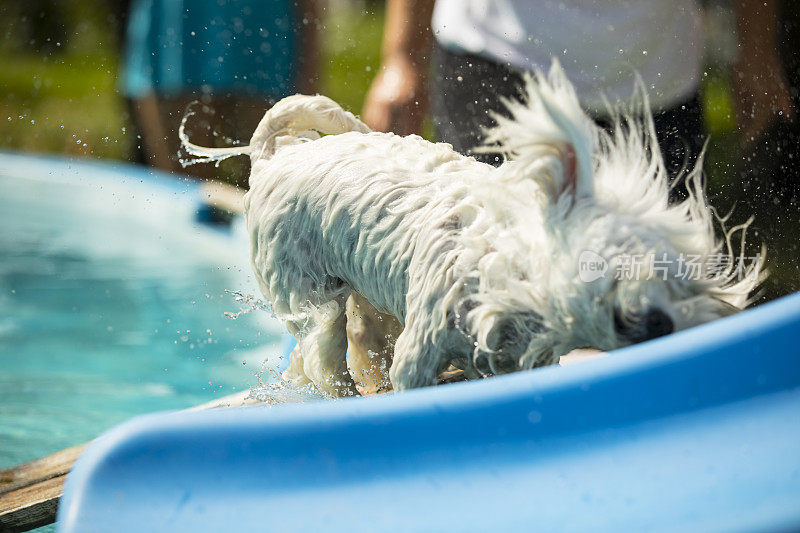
x: 549, y: 135
x: 569, y: 170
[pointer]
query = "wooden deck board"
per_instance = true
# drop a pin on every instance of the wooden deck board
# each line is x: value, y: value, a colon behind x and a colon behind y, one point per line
x: 31, y: 506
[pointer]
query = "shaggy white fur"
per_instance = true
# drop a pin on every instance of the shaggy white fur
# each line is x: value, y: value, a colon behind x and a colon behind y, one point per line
x: 479, y: 264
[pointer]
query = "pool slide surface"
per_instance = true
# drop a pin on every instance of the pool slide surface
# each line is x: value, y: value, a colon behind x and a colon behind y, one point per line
x: 697, y: 431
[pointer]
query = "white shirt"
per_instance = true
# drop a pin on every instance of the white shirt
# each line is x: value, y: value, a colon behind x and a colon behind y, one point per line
x: 600, y: 43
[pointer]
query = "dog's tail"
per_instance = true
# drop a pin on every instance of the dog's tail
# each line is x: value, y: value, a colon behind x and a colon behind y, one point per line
x: 302, y: 116
x: 297, y: 116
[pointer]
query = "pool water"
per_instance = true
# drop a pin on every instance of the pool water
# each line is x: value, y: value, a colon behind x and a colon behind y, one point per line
x: 112, y: 302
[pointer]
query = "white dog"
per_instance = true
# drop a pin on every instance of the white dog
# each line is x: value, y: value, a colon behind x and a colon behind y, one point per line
x: 480, y: 265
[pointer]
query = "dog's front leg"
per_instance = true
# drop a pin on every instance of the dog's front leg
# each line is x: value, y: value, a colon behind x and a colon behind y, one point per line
x: 417, y: 362
x: 294, y: 373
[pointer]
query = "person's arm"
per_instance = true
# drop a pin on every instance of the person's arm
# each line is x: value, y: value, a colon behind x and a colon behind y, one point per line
x: 397, y: 99
x: 761, y: 90
x: 309, y: 53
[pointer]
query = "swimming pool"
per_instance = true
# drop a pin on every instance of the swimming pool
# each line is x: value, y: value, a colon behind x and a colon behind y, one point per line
x: 112, y: 297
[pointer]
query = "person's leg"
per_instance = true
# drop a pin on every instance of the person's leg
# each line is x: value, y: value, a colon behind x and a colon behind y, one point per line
x: 681, y: 136
x: 467, y: 89
x: 237, y: 118
x: 152, y: 132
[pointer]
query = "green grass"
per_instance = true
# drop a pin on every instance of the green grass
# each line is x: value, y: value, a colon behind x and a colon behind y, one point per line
x: 67, y: 106
x: 60, y: 96
x: 66, y: 101
x: 718, y: 107
x: 351, y: 55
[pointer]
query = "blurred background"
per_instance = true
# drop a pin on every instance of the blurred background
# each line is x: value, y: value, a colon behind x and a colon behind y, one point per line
x: 60, y: 85
x: 63, y: 90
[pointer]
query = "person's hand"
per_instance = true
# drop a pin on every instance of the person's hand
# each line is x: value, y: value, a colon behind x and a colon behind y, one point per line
x: 761, y: 94
x: 397, y: 98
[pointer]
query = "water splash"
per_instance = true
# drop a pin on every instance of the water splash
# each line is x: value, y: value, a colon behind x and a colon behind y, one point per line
x: 202, y: 154
x: 250, y: 304
x: 271, y: 388
x: 275, y: 391
x: 279, y: 392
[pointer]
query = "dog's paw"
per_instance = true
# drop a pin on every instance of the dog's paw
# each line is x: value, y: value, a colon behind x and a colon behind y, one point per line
x: 410, y: 375
x: 294, y: 373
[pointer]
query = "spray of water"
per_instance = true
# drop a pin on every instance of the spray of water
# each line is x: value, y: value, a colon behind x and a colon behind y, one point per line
x: 279, y: 392
x: 202, y: 154
x: 272, y: 390
x: 249, y: 304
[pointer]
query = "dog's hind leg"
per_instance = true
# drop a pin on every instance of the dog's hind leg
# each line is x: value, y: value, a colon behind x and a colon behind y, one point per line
x: 294, y: 373
x: 323, y: 349
x: 370, y: 336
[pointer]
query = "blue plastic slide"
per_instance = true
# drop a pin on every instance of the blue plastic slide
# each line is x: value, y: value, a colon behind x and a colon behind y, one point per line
x: 697, y: 431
